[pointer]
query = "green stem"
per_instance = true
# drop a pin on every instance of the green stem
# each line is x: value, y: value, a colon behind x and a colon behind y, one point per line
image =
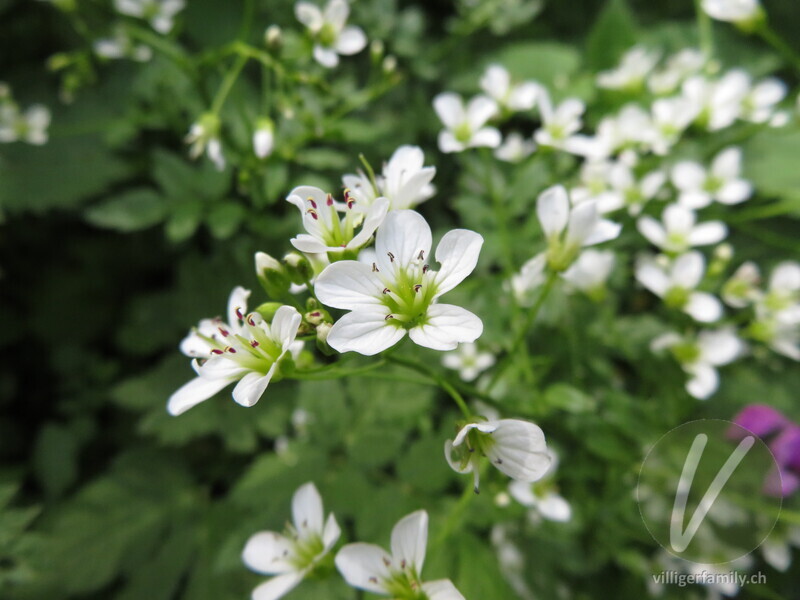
x: 441, y: 381
x: 172, y: 51
x: 522, y: 332
x: 704, y: 30
x: 766, y: 33
x: 334, y: 373
x: 455, y: 516
x: 227, y: 84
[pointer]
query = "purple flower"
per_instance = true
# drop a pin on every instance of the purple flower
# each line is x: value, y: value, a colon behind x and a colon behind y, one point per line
x: 760, y: 419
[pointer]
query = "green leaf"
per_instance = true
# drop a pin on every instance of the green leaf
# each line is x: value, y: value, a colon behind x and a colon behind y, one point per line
x: 547, y: 62
x: 185, y: 220
x: 613, y: 33
x: 130, y: 211
x: 55, y: 458
x: 565, y: 397
x: 770, y: 163
x: 224, y: 219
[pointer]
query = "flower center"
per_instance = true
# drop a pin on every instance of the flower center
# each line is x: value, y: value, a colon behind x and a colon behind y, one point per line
x: 676, y: 297
x: 686, y: 353
x: 328, y: 35
x: 332, y: 230
x: 252, y: 346
x: 463, y: 132
x: 408, y: 291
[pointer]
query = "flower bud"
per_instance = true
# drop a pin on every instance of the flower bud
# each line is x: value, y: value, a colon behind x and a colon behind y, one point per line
x: 323, y: 329
x: 318, y: 316
x: 298, y: 267
x: 376, y: 50
x: 389, y: 64
x: 264, y: 137
x: 271, y: 275
x: 268, y: 310
x: 273, y: 37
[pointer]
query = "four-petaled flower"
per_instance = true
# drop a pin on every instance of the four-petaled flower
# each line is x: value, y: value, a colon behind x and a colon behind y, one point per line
x: 465, y: 126
x: 698, y: 187
x: 542, y: 497
x: 294, y: 555
x: 327, y: 232
x: 517, y: 448
x: 159, y: 13
x: 679, y: 230
x: 468, y: 361
x: 369, y: 567
x: 398, y: 293
x: 247, y: 349
x: 331, y: 35
x: 496, y: 82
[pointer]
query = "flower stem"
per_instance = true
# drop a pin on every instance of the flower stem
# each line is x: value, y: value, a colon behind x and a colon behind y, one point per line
x: 704, y: 30
x: 766, y: 33
x: 455, y: 516
x: 519, y: 339
x: 440, y: 381
x: 227, y: 83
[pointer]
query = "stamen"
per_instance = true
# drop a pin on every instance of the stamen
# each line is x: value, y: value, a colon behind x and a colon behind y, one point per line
x: 216, y: 351
x: 250, y: 320
x: 313, y: 214
x: 425, y: 269
x: 239, y: 314
x: 387, y: 317
x: 391, y: 256
x: 417, y: 288
x: 387, y: 291
x: 316, y: 313
x: 374, y: 268
x: 403, y: 564
x: 499, y: 461
x: 254, y: 344
x: 224, y: 332
x: 421, y: 255
x: 329, y: 201
x: 229, y: 349
x: 387, y: 562
x: 373, y: 580
x: 311, y: 202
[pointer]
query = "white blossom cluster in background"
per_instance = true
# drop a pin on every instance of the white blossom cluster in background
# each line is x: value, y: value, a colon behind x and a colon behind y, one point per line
x: 29, y: 125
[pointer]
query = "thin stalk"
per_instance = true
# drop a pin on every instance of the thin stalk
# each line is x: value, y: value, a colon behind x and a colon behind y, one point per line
x: 705, y: 31
x: 227, y: 84
x: 441, y: 381
x: 771, y: 37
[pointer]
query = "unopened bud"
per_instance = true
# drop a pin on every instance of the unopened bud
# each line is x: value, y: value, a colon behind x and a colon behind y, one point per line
x: 268, y: 310
x: 720, y: 259
x: 376, y: 50
x: 271, y: 275
x: 323, y: 329
x: 273, y: 37
x: 318, y: 316
x: 298, y: 267
x: 389, y: 64
x: 59, y: 61
x: 264, y: 137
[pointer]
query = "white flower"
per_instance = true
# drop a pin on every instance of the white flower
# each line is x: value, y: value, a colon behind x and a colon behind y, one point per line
x: 496, y: 82
x: 717, y: 103
x: 369, y: 567
x: 679, y: 232
x: 783, y: 296
x: 516, y: 448
x: 247, y: 349
x: 569, y: 229
x: 626, y: 191
x: 635, y: 66
x: 759, y: 104
x: 559, y: 124
x: 331, y: 36
x: 264, y: 138
x: 777, y: 548
x: 159, y: 13
x: 734, y: 11
x: 515, y: 148
x: 468, y: 361
x: 669, y: 119
x: 590, y: 271
x: 631, y: 128
x: 531, y: 275
x: 292, y: 556
x: 742, y: 288
x: 327, y: 232
x: 465, y: 126
x: 404, y: 181
x: 398, y: 293
x: 722, y: 182
x: 120, y: 45
x: 700, y: 356
x: 203, y: 136
x: 685, y: 63
x: 677, y: 286
x: 30, y: 126
x: 541, y: 497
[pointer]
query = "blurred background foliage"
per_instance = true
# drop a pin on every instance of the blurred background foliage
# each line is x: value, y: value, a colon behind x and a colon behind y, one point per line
x: 114, y: 243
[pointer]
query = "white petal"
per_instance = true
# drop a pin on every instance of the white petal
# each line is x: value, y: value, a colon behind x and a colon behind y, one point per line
x: 703, y: 307
x: 454, y: 464
x: 365, y: 332
x: 331, y: 532
x: 785, y: 277
x: 219, y: 367
x: 727, y: 164
x: 688, y: 175
x: 496, y: 81
x: 695, y: 199
x: 193, y: 393
x: 479, y: 110
x: 349, y: 285
x: 325, y: 56
x: 777, y: 554
x: 652, y: 276
x: 522, y: 492
x: 363, y: 566
x: 734, y: 192
x: 604, y: 230
x: 309, y: 15
x: 554, y: 508
x: 582, y: 221
x: 707, y: 233
x: 409, y: 539
x: 448, y: 142
x: 237, y: 301
x: 523, y: 97
x: 351, y: 41
x: 704, y: 381
x: 688, y: 269
x: 520, y: 450
x: 307, y: 510
x: 269, y: 553
x: 446, y: 326
x: 719, y: 347
x: 652, y: 230
x: 373, y: 219
x: 277, y: 587
x: 441, y: 589
x: 336, y: 13
x: 251, y: 387
x: 404, y: 234
x: 487, y: 137
x: 458, y: 253
x: 309, y: 244
x: 552, y: 207
x: 285, y: 324
x: 678, y: 219
x: 450, y: 109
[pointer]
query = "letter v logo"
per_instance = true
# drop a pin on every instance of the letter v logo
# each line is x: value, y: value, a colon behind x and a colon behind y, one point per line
x: 678, y: 538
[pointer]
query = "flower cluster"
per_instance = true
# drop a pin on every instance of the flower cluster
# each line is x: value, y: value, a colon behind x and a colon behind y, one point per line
x: 28, y: 126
